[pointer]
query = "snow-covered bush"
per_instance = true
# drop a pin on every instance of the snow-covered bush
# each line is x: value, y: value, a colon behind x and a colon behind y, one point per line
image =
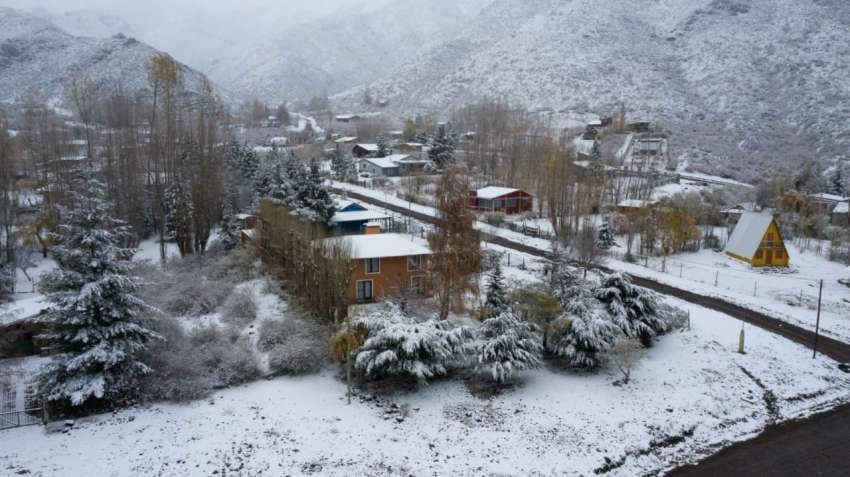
x: 225, y: 357
x: 507, y: 344
x: 419, y: 350
x: 240, y: 308
x: 632, y: 308
x: 494, y: 218
x: 294, y: 345
x: 189, y: 365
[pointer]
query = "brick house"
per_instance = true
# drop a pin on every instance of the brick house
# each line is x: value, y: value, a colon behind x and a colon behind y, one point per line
x: 386, y: 264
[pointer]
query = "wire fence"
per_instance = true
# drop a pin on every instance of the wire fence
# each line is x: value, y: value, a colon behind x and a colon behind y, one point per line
x: 20, y: 405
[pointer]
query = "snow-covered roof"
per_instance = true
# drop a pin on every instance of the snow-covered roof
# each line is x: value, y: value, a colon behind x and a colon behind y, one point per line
x: 382, y: 245
x: 492, y: 192
x: 346, y: 139
x: 358, y: 216
x: 244, y: 216
x: 748, y: 234
x: 368, y: 147
x: 382, y: 162
x: 842, y: 208
x: 635, y: 203
x: 397, y: 158
x: 828, y: 197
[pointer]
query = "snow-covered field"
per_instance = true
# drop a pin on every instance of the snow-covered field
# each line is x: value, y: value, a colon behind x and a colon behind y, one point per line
x: 787, y: 295
x: 690, y: 394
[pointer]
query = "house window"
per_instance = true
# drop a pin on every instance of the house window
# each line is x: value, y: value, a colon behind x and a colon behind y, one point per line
x: 364, y: 290
x: 417, y: 285
x: 759, y: 254
x: 511, y: 203
x: 373, y: 266
x: 414, y: 263
x: 779, y: 254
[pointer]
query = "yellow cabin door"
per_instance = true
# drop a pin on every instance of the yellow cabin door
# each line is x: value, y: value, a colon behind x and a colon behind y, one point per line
x: 769, y: 258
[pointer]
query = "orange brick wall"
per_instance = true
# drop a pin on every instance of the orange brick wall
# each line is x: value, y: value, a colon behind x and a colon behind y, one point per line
x: 393, y: 271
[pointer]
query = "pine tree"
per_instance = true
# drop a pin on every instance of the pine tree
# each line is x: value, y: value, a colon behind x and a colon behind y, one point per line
x: 506, y: 344
x: 383, y: 147
x: 343, y: 167
x: 606, y: 240
x: 179, y: 215
x: 95, y: 315
x: 837, y: 183
x: 497, y: 300
x: 442, y: 152
x: 583, y: 332
x: 418, y: 350
x: 314, y: 201
x: 632, y: 308
x: 231, y: 228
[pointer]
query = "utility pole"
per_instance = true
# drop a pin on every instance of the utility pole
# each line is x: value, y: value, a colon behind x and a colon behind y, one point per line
x: 817, y: 323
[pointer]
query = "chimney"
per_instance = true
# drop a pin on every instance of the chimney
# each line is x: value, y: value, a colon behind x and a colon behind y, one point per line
x: 372, y: 228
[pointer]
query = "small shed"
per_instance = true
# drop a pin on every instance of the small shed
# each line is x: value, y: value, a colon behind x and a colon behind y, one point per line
x: 356, y: 221
x: 757, y: 240
x: 379, y: 166
x: 501, y: 199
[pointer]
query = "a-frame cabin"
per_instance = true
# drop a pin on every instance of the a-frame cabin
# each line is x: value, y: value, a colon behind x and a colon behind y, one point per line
x: 757, y: 240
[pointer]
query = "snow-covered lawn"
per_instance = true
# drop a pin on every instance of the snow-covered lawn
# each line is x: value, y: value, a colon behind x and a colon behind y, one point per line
x: 787, y: 295
x: 690, y: 394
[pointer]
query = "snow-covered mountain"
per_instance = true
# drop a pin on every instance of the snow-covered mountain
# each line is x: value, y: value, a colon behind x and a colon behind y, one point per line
x: 344, y: 49
x: 746, y: 86
x: 38, y: 57
x: 90, y: 23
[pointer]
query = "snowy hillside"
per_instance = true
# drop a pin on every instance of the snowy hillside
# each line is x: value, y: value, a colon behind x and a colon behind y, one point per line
x: 90, y: 23
x: 36, y: 56
x: 342, y: 50
x: 743, y: 84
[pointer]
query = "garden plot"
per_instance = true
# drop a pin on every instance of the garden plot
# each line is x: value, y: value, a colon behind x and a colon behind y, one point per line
x: 690, y: 394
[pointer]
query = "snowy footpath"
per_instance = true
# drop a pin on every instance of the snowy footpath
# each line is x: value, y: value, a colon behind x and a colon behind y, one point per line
x: 691, y: 394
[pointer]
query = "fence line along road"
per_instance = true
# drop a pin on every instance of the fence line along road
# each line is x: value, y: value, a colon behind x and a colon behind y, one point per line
x: 833, y: 348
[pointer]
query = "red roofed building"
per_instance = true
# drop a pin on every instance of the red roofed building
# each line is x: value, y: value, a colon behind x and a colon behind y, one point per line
x: 501, y: 199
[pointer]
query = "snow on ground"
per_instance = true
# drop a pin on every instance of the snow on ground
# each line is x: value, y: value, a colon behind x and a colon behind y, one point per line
x: 790, y: 295
x: 149, y: 250
x: 691, y: 386
x: 775, y: 293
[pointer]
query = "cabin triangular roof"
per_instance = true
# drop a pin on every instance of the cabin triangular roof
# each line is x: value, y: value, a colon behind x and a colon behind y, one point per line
x: 748, y: 234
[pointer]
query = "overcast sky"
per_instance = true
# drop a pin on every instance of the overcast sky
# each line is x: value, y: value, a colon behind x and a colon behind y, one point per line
x: 196, y: 31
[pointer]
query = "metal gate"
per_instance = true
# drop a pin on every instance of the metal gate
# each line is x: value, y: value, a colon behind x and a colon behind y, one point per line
x: 19, y: 406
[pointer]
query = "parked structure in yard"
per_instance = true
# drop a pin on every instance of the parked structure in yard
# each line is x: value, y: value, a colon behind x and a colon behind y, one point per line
x: 630, y: 206
x: 757, y: 240
x: 501, y: 199
x: 386, y: 264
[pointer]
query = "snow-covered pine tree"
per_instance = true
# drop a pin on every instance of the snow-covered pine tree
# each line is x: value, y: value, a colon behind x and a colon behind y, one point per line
x: 507, y: 344
x: 343, y: 167
x: 496, y: 299
x: 231, y: 227
x: 179, y: 218
x: 418, y: 350
x: 605, y: 239
x: 596, y: 153
x: 94, y: 318
x: 314, y: 201
x: 837, y: 185
x: 584, y: 330
x: 633, y: 309
x: 243, y: 159
x: 383, y: 147
x: 442, y: 152
x: 267, y: 176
